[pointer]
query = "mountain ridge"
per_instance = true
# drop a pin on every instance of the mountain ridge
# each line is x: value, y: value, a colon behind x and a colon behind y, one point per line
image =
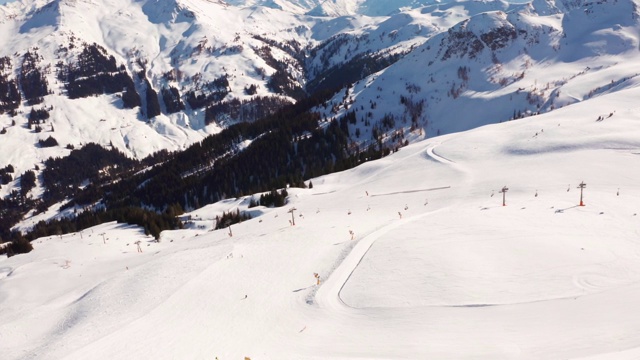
x: 186, y: 72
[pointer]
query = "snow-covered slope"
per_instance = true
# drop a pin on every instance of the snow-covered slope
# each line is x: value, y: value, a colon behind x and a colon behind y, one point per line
x: 461, y: 64
x: 380, y: 7
x: 207, y: 52
x: 417, y: 259
x: 204, y: 48
x: 430, y: 68
x: 496, y: 66
x: 336, y: 8
x: 294, y: 6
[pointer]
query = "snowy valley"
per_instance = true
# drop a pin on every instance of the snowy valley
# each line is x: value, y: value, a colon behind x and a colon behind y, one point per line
x: 310, y: 179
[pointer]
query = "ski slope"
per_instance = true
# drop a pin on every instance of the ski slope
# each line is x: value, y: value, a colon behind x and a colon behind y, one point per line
x: 437, y: 267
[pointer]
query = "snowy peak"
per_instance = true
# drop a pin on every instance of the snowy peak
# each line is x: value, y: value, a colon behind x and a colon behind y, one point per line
x: 470, y: 37
x: 293, y: 6
x: 175, y: 58
x: 602, y: 27
x: 499, y: 64
x: 186, y: 69
x: 165, y: 11
x: 543, y: 7
x: 376, y: 8
x: 48, y: 15
x: 335, y: 8
x: 384, y: 8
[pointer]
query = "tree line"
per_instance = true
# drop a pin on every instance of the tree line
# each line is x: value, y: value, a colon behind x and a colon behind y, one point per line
x: 286, y: 147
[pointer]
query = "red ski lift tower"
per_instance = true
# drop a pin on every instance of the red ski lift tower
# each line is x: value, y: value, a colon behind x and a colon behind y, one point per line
x: 581, y: 187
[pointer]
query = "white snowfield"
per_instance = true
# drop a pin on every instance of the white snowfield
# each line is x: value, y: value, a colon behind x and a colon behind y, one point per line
x: 437, y: 267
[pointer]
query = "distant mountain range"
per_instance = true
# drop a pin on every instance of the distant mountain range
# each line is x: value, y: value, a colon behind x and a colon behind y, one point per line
x: 142, y: 76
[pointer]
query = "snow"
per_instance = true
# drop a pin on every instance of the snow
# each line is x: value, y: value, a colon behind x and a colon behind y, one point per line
x: 164, y: 34
x: 438, y: 268
x: 555, y: 60
x: 208, y: 39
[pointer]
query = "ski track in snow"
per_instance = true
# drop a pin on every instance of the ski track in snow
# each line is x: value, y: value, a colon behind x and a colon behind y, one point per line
x: 541, y: 278
x: 432, y: 154
x: 255, y: 301
x: 329, y: 293
x: 328, y: 296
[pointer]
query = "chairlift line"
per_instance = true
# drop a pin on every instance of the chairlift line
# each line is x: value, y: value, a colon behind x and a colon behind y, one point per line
x: 504, y: 195
x: 581, y: 187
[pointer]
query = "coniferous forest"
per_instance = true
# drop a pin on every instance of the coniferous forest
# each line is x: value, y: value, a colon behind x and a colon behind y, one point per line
x: 287, y: 147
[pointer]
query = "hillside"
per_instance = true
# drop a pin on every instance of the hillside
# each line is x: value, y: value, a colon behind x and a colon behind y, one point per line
x: 205, y: 100
x: 177, y: 57
x: 146, y: 146
x: 154, y: 76
x: 416, y: 255
x: 165, y: 85
x: 497, y: 66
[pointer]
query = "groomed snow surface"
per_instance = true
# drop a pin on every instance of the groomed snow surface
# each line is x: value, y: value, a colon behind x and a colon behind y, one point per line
x: 437, y: 268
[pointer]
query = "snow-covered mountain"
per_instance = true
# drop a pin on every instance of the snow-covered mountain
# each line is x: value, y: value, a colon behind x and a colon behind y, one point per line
x: 181, y: 57
x: 411, y: 256
x: 500, y: 65
x: 415, y: 254
x: 142, y: 76
x: 336, y: 8
x: 175, y: 67
x: 294, y: 6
